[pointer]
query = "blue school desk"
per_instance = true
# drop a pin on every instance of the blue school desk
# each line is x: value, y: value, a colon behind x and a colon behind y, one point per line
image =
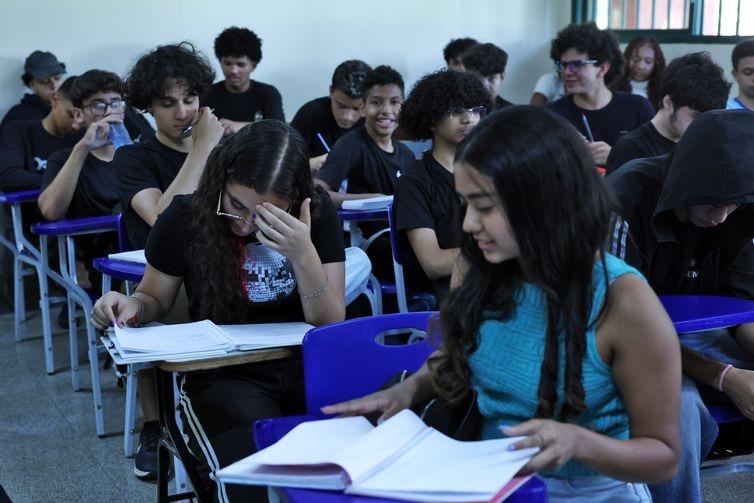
x: 697, y: 313
x: 363, y: 215
x: 119, y: 269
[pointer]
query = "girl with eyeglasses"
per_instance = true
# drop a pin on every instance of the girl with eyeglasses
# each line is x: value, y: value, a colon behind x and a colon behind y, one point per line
x: 256, y: 243
x: 563, y: 343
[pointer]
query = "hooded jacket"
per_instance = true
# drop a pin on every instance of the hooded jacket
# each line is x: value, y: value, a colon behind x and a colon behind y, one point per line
x: 32, y: 107
x: 712, y: 164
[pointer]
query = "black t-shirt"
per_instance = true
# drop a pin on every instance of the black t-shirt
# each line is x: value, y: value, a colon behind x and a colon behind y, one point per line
x: 644, y: 141
x: 266, y: 276
x: 138, y: 127
x: 316, y: 117
x: 625, y: 112
x: 24, y: 149
x: 31, y: 107
x: 96, y: 191
x: 147, y: 165
x: 259, y: 101
x: 425, y: 197
x: 500, y: 103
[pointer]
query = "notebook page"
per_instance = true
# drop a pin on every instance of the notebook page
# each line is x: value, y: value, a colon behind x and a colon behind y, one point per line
x: 470, y: 470
x: 371, y: 203
x: 266, y: 334
x: 136, y: 256
x: 179, y: 338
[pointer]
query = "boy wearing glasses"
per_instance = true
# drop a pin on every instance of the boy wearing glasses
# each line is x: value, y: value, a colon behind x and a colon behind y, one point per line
x: 371, y: 159
x: 588, y: 59
x: 444, y: 107
x: 26, y: 144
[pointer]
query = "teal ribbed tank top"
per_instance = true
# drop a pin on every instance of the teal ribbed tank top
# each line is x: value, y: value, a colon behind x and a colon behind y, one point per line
x: 506, y: 366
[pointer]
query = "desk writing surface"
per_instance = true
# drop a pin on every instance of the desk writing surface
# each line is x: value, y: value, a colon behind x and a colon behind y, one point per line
x: 696, y: 313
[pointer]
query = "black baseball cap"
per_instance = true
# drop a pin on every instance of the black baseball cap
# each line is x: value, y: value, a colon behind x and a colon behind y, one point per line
x: 41, y: 65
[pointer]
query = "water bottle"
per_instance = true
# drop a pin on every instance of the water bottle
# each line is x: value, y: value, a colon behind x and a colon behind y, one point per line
x: 119, y: 135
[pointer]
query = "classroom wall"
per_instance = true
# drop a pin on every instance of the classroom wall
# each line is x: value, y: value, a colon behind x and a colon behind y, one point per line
x: 719, y: 52
x: 303, y: 40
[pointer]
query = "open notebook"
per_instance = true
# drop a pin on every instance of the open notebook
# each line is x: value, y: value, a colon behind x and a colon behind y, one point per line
x: 201, y: 339
x: 402, y: 458
x: 136, y: 256
x: 372, y: 203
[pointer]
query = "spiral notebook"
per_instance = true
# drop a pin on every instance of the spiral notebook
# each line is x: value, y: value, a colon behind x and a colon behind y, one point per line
x: 202, y: 339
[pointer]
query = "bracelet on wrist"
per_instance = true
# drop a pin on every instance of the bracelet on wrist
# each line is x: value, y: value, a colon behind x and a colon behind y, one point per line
x: 722, y: 376
x: 317, y: 292
x: 141, y: 309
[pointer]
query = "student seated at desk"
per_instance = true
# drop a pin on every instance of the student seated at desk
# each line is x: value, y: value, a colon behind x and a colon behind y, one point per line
x: 26, y: 144
x: 562, y: 342
x: 167, y: 82
x: 642, y: 74
x: 80, y: 181
x: 256, y: 243
x: 686, y: 220
x: 444, y: 107
x: 371, y: 159
x: 43, y: 75
x: 454, y: 50
x: 335, y: 115
x: 487, y: 62
x: 238, y: 100
x: 588, y: 60
x: 691, y: 85
x: 742, y: 59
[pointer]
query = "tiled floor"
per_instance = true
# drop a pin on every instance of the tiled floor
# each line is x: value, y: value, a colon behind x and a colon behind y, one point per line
x: 49, y: 450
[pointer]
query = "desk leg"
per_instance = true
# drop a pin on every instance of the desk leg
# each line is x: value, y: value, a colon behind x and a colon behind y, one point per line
x: 44, y: 304
x: 19, y: 301
x: 181, y: 477
x: 106, y: 282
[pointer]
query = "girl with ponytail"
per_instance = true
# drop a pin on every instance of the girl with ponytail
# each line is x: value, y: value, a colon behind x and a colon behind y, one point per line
x: 254, y: 244
x: 562, y: 343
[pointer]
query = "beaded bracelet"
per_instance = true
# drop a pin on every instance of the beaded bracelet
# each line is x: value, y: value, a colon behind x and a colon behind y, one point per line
x: 141, y: 310
x: 316, y: 293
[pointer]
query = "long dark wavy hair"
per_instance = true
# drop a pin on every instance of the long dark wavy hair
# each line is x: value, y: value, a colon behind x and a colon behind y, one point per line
x: 558, y: 210
x: 268, y: 156
x: 623, y: 83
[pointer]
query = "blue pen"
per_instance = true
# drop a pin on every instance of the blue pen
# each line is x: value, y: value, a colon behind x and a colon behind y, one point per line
x: 323, y: 142
x: 589, y: 134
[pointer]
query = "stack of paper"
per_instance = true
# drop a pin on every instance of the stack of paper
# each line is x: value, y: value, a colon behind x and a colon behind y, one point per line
x: 202, y: 339
x: 136, y: 256
x: 401, y: 458
x: 372, y: 203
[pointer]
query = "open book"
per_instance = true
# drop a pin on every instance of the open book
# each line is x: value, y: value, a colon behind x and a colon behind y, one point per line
x: 372, y: 203
x: 201, y: 339
x: 402, y: 458
x: 136, y: 256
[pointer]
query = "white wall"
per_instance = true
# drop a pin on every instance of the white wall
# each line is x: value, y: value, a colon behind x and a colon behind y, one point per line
x: 719, y: 52
x: 303, y: 40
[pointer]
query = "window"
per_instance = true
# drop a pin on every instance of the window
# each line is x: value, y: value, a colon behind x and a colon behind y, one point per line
x: 671, y: 20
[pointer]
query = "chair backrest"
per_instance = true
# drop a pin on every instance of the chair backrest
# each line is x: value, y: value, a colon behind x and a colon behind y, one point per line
x: 403, y: 254
x: 344, y: 361
x: 123, y: 242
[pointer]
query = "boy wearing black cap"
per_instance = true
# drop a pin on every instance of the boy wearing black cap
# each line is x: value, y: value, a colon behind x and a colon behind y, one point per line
x: 687, y: 222
x: 43, y: 74
x: 26, y: 144
x: 323, y: 120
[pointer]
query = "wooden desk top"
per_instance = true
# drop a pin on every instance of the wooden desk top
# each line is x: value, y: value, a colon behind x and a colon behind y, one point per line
x: 230, y: 359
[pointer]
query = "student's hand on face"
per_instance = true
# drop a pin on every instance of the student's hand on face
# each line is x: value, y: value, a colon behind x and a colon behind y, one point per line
x: 98, y: 133
x: 208, y: 131
x: 114, y: 308
x: 231, y: 127
x: 315, y: 163
x: 599, y: 150
x: 557, y: 442
x: 388, y: 401
x: 738, y: 384
x: 284, y: 233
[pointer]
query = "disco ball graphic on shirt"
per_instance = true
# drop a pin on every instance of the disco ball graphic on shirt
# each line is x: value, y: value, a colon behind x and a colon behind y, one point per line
x: 269, y: 275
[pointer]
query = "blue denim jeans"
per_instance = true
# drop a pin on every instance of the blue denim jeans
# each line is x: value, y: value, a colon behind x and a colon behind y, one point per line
x: 596, y: 489
x: 698, y: 429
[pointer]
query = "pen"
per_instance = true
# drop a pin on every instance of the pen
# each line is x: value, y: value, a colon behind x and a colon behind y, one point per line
x: 589, y: 134
x: 323, y: 142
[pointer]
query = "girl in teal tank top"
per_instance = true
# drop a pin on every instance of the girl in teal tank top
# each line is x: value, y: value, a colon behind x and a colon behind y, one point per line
x: 563, y: 343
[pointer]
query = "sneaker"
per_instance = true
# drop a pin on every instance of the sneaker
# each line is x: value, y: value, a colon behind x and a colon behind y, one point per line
x: 145, y: 462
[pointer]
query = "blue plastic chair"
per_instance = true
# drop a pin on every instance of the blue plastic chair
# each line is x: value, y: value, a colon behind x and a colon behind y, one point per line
x: 344, y: 361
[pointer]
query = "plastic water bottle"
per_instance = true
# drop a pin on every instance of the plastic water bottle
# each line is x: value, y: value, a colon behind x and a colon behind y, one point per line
x: 119, y: 135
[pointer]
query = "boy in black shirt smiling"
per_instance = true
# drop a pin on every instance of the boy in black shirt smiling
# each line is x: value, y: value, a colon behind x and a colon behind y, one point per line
x: 443, y: 106
x: 333, y: 116
x: 691, y: 85
x: 238, y: 100
x: 26, y: 144
x: 370, y: 159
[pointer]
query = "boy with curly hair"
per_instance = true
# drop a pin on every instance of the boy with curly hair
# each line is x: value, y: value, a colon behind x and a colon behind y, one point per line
x: 238, y: 100
x: 588, y: 60
x: 443, y: 106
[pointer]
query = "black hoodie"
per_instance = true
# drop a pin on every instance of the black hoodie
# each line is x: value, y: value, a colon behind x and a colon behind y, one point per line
x: 713, y: 163
x: 32, y: 107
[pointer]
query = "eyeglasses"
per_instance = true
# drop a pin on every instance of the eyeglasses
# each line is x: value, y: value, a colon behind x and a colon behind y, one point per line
x: 574, y: 66
x: 479, y: 112
x: 237, y: 218
x: 99, y: 108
